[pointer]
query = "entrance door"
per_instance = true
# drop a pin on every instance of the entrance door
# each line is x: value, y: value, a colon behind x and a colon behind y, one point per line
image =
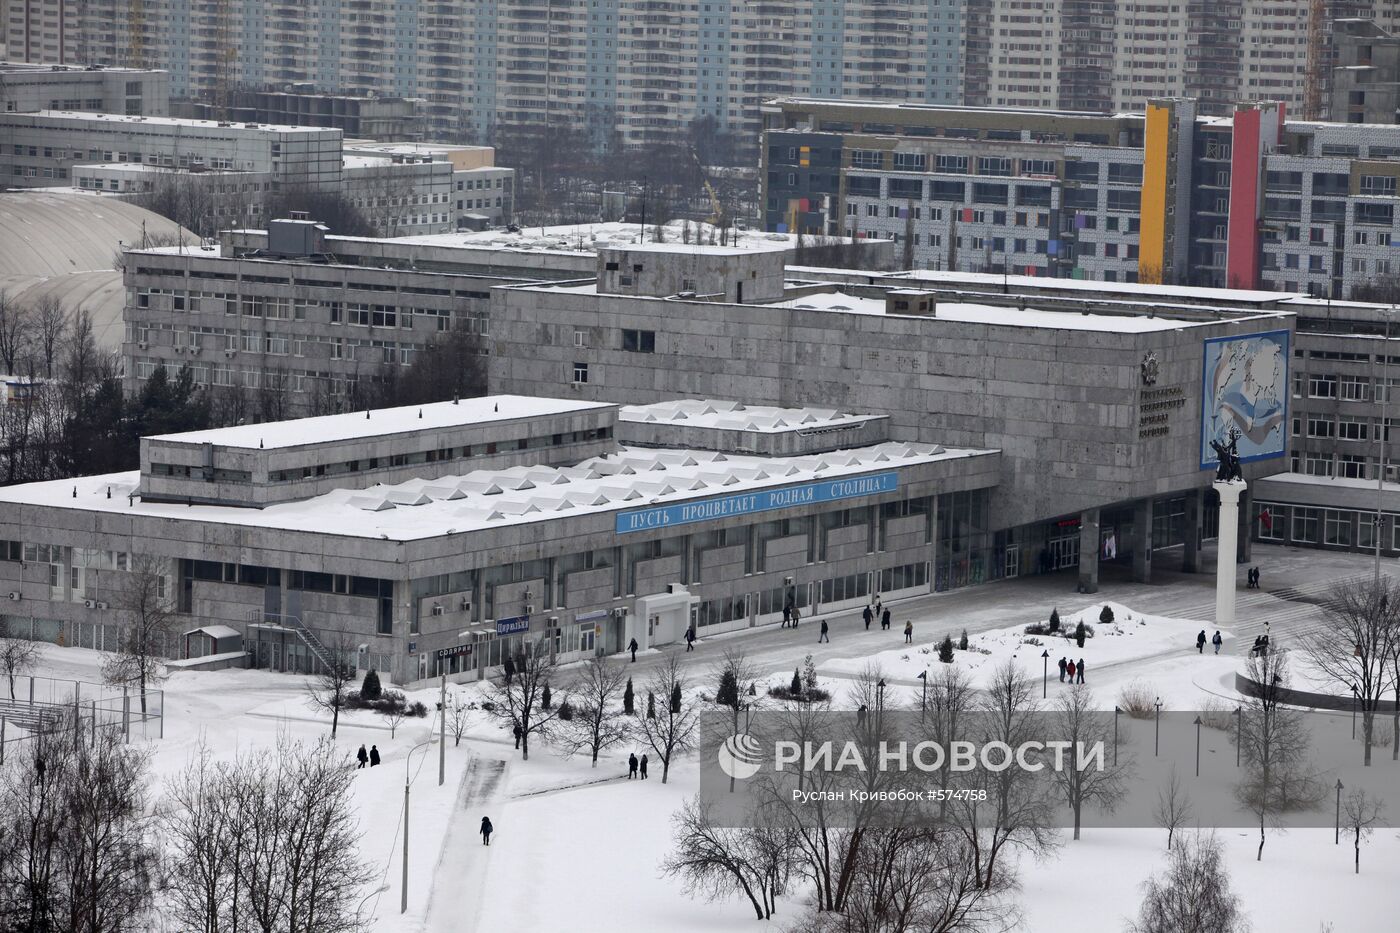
x: 1064, y: 552
x: 1011, y: 566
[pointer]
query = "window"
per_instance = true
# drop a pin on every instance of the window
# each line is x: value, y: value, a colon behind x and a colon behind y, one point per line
x: 580, y: 373
x: 1322, y: 386
x: 1317, y: 465
x: 951, y: 163
x: 1354, y: 388
x: 580, y: 337
x: 1352, y: 428
x: 993, y: 165
x: 911, y: 161
x: 1305, y: 525
x: 638, y: 341
x: 1352, y: 466
x: 1321, y: 426
x: 867, y: 158
x: 1336, y: 528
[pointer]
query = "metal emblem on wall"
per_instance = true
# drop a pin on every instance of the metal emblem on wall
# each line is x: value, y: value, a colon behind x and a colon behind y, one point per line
x: 1244, y: 388
x: 1150, y: 369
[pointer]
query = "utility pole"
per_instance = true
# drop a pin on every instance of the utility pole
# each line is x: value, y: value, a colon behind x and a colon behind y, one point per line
x: 1198, y: 746
x: 1045, y: 674
x: 1157, y: 730
x: 442, y: 733
x: 1338, y: 840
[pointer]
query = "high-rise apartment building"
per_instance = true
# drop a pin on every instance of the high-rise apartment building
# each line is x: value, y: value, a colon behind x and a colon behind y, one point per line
x: 639, y: 71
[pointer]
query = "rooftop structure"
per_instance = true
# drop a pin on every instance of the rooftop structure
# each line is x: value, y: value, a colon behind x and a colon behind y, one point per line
x: 28, y: 87
x: 717, y: 424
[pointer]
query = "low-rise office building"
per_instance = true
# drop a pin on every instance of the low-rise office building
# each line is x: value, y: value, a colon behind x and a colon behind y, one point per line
x: 442, y: 539
x: 25, y: 88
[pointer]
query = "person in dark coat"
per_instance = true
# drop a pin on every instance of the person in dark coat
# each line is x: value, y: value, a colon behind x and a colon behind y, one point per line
x: 787, y: 615
x: 796, y: 616
x: 509, y: 669
x: 885, y: 620
x: 486, y: 830
x: 518, y: 734
x: 1256, y: 578
x: 1201, y: 642
x: 362, y: 757
x: 1216, y: 640
x: 643, y: 767
x: 1070, y: 669
x: 690, y: 639
x: 632, y: 647
x: 909, y: 631
x: 1062, y: 670
x: 1081, y: 671
x: 823, y: 637
x: 860, y: 715
x: 373, y: 755
x: 869, y: 616
x: 631, y: 766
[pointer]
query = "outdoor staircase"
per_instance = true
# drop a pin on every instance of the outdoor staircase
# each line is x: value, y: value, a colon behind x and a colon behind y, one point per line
x: 318, y: 650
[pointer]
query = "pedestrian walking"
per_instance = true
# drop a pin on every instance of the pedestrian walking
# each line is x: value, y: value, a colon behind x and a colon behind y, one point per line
x: 518, y: 734
x: 1070, y: 668
x: 885, y: 620
x: 1081, y: 671
x: 643, y: 767
x: 1216, y: 640
x: 823, y: 637
x: 1063, y: 662
x: 1201, y: 642
x: 909, y: 631
x: 860, y: 715
x: 868, y: 615
x: 509, y: 668
x: 787, y: 615
x: 690, y: 639
x: 486, y: 830
x: 878, y: 607
x: 796, y: 616
x: 373, y: 755
x: 1256, y: 578
x: 632, y: 647
x: 631, y: 766
x: 362, y: 757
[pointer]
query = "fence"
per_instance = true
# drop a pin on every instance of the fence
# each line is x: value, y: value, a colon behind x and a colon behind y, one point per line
x: 34, y: 706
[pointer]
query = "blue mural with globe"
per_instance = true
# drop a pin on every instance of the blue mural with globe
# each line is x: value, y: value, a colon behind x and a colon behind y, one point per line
x: 1244, y: 389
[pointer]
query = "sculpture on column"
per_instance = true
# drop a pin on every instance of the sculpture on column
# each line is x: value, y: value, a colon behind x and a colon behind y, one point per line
x: 1229, y: 456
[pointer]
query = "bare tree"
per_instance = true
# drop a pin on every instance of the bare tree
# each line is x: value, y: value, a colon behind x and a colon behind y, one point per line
x: 1077, y: 721
x: 145, y: 599
x: 394, y: 717
x: 1193, y: 894
x: 717, y: 862
x: 50, y: 323
x: 672, y: 732
x: 17, y: 655
x: 596, y: 697
x: 519, y: 702
x: 1274, y: 744
x: 1019, y: 817
x: 1361, y: 812
x: 79, y: 855
x: 458, y: 719
x: 203, y: 841
x: 1355, y: 646
x: 330, y: 688
x: 1173, y: 809
x: 16, y: 331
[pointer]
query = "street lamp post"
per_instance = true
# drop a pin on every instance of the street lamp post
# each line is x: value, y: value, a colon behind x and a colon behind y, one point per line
x: 442, y: 733
x: 923, y: 694
x: 1116, y: 711
x: 1045, y: 673
x: 403, y: 900
x: 1354, y: 698
x: 1239, y: 734
x: 1157, y: 729
x: 1338, y: 840
x: 1198, y: 746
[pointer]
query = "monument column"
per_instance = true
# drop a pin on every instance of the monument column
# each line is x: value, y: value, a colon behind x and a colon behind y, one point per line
x: 1089, y: 551
x: 1191, y: 532
x: 1230, y: 491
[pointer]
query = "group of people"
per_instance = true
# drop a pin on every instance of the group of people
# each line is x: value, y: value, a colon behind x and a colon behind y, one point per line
x: 791, y: 615
x: 871, y: 613
x: 1216, y: 640
x: 371, y: 757
x: 1252, y: 578
x: 634, y: 767
x: 1071, y: 669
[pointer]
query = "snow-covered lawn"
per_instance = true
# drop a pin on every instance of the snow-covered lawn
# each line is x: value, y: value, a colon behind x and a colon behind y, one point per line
x: 579, y: 848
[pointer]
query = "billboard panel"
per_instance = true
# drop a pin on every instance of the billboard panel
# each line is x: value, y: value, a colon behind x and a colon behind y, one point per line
x: 1245, y: 389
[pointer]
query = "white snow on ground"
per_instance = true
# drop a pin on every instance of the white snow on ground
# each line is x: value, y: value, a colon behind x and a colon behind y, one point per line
x: 578, y: 848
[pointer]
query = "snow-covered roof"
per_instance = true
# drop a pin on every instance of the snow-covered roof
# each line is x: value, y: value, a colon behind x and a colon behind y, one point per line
x: 215, y: 631
x: 722, y: 415
x: 1003, y: 316
x: 173, y: 122
x: 482, y: 500
x: 589, y: 238
x: 1031, y: 282
x: 382, y: 421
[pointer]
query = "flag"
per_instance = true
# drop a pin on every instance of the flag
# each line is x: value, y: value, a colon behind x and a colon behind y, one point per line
x: 923, y: 676
x: 1266, y: 519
